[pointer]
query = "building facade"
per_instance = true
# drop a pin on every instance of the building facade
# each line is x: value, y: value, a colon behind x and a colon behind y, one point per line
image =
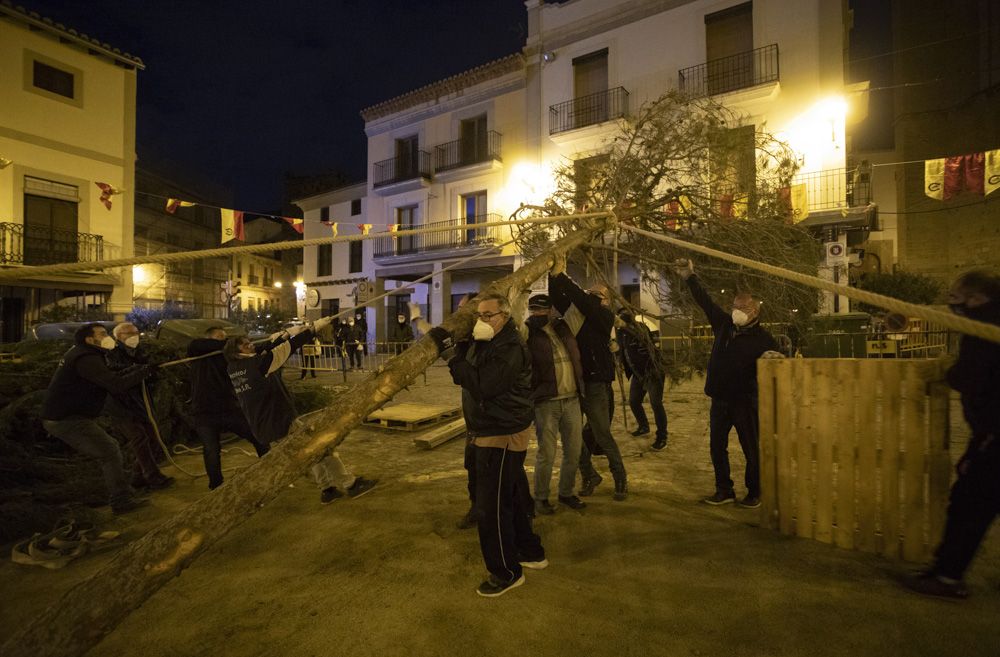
x: 471, y: 148
x: 67, y: 121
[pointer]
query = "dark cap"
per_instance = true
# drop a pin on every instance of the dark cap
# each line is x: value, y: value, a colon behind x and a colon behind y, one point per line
x: 539, y: 302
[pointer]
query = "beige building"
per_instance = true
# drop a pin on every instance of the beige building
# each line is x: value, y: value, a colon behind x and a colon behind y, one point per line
x: 67, y: 121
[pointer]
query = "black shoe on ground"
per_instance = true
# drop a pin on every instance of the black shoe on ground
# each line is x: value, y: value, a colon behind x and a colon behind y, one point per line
x: 927, y: 583
x: 469, y: 520
x: 641, y: 431
x: 750, y: 502
x: 493, y: 587
x: 590, y: 484
x: 572, y: 502
x: 544, y: 508
x: 130, y: 504
x: 159, y: 483
x: 329, y: 494
x: 536, y: 564
x: 720, y: 498
x: 659, y: 444
x: 621, y: 491
x: 361, y: 486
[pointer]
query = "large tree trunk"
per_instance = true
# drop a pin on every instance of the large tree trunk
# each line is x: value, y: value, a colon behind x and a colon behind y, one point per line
x: 93, y: 608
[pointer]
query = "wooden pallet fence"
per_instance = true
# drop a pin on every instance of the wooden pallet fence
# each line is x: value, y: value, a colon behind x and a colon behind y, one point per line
x: 854, y: 452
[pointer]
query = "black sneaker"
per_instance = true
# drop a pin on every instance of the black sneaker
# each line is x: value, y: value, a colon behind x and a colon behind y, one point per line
x: 572, y: 502
x: 659, y: 444
x: 328, y: 495
x: 928, y: 583
x: 537, y: 564
x: 641, y: 431
x: 469, y: 520
x: 130, y: 504
x: 493, y: 587
x: 590, y: 484
x: 750, y: 502
x: 621, y: 491
x: 544, y: 508
x: 360, y: 487
x: 720, y: 498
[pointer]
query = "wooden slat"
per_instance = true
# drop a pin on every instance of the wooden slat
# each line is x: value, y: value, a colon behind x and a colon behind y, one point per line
x: 847, y: 376
x: 867, y: 470
x: 788, y: 401
x: 825, y: 431
x: 767, y: 412
x: 889, y: 463
x: 940, y: 459
x: 441, y: 434
x: 804, y: 450
x: 914, y: 443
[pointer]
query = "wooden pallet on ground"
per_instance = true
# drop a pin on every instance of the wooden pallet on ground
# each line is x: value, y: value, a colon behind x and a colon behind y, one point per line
x: 409, y: 416
x: 440, y: 434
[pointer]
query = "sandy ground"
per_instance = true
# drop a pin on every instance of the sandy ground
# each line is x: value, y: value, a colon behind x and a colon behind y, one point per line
x: 389, y: 574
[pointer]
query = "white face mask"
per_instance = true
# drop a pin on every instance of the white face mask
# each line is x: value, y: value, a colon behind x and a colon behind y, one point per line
x: 108, y: 342
x: 740, y: 318
x: 482, y: 331
x: 132, y: 341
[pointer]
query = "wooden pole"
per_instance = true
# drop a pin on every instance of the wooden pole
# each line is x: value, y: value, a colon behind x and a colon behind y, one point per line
x: 93, y: 608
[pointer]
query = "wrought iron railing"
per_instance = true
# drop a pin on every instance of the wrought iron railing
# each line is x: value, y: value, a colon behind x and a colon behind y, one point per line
x: 253, y: 279
x: 740, y: 71
x: 836, y: 188
x: 463, y: 152
x: 475, y: 236
x: 29, y: 244
x: 400, y: 169
x: 588, y: 110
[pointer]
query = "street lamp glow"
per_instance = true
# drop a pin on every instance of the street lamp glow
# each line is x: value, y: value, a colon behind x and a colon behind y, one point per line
x: 277, y: 284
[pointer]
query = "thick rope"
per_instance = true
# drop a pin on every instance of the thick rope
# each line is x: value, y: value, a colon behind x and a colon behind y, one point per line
x: 181, y: 256
x: 953, y: 322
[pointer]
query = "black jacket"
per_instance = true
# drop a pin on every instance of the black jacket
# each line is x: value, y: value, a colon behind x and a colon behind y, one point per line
x: 639, y: 352
x: 976, y: 376
x: 128, y: 404
x: 211, y: 389
x: 400, y: 332
x: 496, y: 383
x: 262, y: 394
x: 82, y: 382
x: 543, y: 372
x: 732, y: 367
x: 593, y: 335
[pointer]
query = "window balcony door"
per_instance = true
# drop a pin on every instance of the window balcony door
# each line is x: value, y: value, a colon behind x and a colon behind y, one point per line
x: 50, y: 231
x: 473, y: 210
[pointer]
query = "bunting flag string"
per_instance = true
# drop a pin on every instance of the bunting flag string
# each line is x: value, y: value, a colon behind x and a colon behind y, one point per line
x: 976, y: 173
x: 364, y: 228
x: 295, y: 223
x: 174, y: 203
x: 232, y: 225
x: 107, y: 191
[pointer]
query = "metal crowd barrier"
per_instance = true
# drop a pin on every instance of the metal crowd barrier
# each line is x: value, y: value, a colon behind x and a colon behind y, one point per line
x: 345, y: 358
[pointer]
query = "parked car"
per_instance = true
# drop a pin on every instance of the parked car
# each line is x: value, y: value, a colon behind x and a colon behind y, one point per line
x: 61, y: 330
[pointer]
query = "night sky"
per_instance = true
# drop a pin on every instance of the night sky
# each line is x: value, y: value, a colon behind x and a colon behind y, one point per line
x: 238, y: 92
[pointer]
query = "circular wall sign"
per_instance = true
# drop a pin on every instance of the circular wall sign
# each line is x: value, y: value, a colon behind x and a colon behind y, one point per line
x: 312, y: 297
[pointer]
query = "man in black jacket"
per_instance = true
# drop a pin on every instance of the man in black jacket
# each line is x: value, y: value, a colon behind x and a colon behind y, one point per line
x: 129, y: 409
x: 975, y: 496
x: 214, y: 407
x: 731, y: 382
x: 643, y: 365
x: 494, y: 371
x: 75, y: 398
x: 590, y: 318
x: 256, y: 377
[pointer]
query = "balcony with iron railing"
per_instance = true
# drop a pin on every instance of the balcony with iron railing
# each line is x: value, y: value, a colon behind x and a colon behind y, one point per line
x: 42, y: 245
x: 588, y: 110
x: 833, y: 189
x: 467, y: 152
x: 473, y: 237
x: 728, y: 74
x: 402, y: 169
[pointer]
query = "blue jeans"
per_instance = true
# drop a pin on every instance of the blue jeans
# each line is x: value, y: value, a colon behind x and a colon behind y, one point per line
x: 652, y: 383
x: 557, y: 417
x: 85, y: 436
x: 597, y: 407
x: 723, y: 416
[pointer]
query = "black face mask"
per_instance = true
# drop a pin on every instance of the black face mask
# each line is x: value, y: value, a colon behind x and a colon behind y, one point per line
x: 536, y: 321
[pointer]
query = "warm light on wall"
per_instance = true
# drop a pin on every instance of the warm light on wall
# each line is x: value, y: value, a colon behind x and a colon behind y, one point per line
x: 277, y: 284
x: 817, y: 134
x: 139, y: 275
x: 527, y: 183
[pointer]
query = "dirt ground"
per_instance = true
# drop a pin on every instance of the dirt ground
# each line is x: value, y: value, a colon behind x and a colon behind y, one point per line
x: 389, y: 573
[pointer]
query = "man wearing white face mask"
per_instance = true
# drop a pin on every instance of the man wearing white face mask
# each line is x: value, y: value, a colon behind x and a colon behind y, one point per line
x: 76, y: 397
x: 731, y: 382
x: 129, y: 410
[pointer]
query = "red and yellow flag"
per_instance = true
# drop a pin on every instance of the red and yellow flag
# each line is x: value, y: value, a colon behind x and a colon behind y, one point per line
x: 232, y: 225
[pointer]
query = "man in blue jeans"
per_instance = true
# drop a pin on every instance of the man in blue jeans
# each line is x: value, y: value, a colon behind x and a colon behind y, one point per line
x: 590, y: 319
x: 731, y: 382
x: 76, y: 397
x: 644, y: 368
x: 556, y: 381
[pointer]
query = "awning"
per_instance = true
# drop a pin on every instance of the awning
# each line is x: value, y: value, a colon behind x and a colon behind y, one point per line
x: 68, y: 282
x: 861, y: 216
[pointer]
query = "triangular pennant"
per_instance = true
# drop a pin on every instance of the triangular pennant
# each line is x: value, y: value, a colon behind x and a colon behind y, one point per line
x: 295, y: 223
x: 364, y: 228
x: 107, y: 191
x: 174, y: 203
